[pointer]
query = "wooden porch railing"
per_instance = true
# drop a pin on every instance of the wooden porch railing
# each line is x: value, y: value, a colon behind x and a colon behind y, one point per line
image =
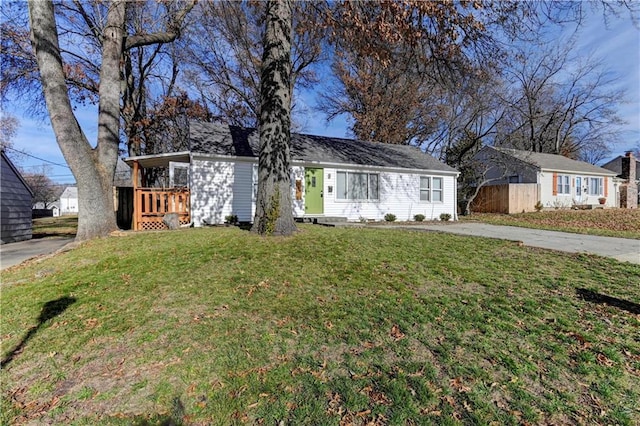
x: 151, y: 204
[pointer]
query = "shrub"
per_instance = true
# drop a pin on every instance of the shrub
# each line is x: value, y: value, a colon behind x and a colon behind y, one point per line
x: 231, y: 219
x: 538, y: 206
x: 390, y: 217
x: 445, y: 217
x: 418, y: 217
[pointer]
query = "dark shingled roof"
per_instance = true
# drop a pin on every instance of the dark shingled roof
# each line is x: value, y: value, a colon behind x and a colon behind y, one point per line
x: 553, y: 162
x: 222, y: 139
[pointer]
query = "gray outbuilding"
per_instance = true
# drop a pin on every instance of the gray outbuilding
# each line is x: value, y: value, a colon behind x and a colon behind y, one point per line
x: 15, y: 204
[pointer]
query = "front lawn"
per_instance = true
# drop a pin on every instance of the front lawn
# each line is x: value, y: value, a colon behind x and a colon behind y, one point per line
x: 61, y: 226
x: 622, y: 223
x: 331, y: 326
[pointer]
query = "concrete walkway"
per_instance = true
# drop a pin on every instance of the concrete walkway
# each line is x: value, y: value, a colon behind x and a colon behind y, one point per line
x: 622, y: 249
x: 15, y: 253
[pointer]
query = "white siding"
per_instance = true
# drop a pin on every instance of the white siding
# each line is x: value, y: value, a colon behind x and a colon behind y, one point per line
x: 399, y: 193
x: 549, y: 200
x: 297, y: 173
x: 221, y: 188
x: 69, y: 201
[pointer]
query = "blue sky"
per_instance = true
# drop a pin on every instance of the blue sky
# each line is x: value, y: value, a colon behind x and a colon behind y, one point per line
x: 618, y: 44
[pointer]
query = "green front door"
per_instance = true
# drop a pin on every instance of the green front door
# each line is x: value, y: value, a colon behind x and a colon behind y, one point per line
x: 313, y: 191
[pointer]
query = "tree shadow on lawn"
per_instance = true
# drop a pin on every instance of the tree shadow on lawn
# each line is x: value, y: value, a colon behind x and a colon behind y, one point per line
x: 50, y: 310
x: 592, y: 296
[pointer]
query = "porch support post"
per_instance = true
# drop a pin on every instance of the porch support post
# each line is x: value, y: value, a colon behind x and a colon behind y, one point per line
x: 136, y: 198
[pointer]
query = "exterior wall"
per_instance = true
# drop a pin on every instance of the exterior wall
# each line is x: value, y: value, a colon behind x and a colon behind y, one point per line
x: 549, y: 200
x: 15, y: 205
x: 222, y: 188
x: 297, y: 174
x: 629, y: 189
x: 399, y: 194
x: 69, y: 201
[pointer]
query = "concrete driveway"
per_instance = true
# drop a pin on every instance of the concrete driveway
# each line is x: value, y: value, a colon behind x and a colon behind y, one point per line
x: 622, y: 249
x: 15, y: 253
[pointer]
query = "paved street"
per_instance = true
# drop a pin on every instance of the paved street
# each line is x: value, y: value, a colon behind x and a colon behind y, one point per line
x: 15, y: 253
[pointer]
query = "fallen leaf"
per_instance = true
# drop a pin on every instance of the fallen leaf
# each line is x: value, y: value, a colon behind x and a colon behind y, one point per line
x: 396, y: 333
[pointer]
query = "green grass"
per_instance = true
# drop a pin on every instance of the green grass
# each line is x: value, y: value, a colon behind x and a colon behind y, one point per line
x: 622, y: 223
x: 62, y: 226
x: 220, y: 326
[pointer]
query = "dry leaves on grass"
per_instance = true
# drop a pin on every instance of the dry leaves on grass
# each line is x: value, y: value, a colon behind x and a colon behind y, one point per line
x: 396, y: 333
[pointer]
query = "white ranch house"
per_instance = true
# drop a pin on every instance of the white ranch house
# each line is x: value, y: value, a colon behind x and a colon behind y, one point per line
x: 330, y: 177
x: 553, y: 180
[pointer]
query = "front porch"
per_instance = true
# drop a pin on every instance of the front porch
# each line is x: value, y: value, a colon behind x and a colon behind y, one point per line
x: 151, y: 205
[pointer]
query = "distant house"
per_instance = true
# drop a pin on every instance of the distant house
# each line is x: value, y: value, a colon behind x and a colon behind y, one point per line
x: 51, y: 209
x: 15, y: 204
x: 531, y: 177
x: 330, y: 177
x: 69, y: 201
x: 627, y: 169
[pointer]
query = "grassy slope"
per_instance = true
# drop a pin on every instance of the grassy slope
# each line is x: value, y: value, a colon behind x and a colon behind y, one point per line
x: 220, y: 326
x: 62, y: 226
x: 620, y: 223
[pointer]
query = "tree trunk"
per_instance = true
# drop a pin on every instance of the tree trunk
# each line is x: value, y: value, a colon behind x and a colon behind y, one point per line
x: 274, y: 215
x: 93, y: 168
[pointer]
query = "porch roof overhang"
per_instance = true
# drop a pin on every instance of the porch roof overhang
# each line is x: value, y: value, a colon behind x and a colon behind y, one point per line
x: 159, y: 160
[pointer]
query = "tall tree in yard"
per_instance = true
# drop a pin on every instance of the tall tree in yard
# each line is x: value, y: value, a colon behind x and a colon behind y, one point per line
x: 273, y: 206
x: 93, y: 167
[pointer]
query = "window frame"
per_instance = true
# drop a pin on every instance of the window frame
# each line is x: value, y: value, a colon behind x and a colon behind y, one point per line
x: 173, y: 165
x: 430, y: 190
x: 563, y: 185
x: 372, y: 186
x: 595, y: 183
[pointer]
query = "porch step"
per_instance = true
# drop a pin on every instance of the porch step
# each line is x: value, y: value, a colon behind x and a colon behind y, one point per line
x: 322, y: 220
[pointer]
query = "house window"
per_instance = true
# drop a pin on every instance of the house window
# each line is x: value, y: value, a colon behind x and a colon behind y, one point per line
x: 178, y: 174
x: 357, y: 186
x: 563, y: 185
x: 514, y: 179
x: 595, y: 186
x: 425, y: 188
x: 430, y: 189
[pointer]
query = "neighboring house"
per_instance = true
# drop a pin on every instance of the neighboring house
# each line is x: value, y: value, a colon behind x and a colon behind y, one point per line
x: 627, y: 169
x: 69, y: 201
x: 51, y: 209
x: 330, y: 177
x: 15, y: 204
x: 558, y: 181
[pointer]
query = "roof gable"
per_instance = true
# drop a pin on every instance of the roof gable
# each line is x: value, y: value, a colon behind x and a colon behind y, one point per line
x: 15, y: 170
x: 225, y: 140
x: 69, y: 192
x: 553, y: 162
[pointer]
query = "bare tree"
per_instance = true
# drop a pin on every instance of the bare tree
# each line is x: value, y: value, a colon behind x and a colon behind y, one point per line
x: 224, y: 51
x: 560, y: 104
x: 43, y: 188
x: 8, y: 129
x: 93, y: 167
